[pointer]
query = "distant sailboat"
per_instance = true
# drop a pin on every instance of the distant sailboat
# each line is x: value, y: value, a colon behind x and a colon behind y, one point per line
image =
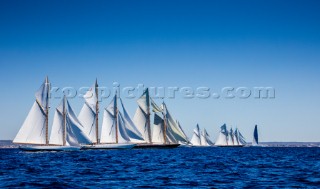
x: 229, y: 139
x: 255, y: 141
x: 164, y: 132
x: 200, y: 139
x: 113, y: 132
x: 67, y: 132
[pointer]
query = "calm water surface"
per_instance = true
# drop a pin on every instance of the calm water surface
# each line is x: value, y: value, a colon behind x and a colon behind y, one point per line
x: 167, y: 168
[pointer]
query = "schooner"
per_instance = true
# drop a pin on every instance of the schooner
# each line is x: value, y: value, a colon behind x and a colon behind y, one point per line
x: 117, y: 129
x: 167, y: 133
x: 66, y: 134
x: 200, y: 139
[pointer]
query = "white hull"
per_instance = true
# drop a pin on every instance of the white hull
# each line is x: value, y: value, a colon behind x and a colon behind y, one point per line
x: 199, y: 146
x: 49, y: 148
x: 108, y: 146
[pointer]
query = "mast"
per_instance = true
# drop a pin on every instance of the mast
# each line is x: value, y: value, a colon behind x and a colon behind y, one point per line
x: 148, y: 115
x: 47, y: 112
x: 164, y: 126
x: 64, y: 121
x: 97, y: 113
x: 116, y: 117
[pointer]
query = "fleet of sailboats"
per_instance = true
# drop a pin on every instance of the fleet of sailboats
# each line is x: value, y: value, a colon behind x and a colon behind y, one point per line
x: 118, y: 129
x: 200, y: 138
x: 230, y: 138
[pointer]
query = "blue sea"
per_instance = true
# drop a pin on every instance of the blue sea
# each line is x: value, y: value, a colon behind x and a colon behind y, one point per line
x: 163, y: 168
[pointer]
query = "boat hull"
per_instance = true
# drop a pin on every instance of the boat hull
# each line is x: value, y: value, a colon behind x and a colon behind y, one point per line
x: 237, y: 146
x: 107, y: 146
x: 49, y: 148
x: 158, y: 146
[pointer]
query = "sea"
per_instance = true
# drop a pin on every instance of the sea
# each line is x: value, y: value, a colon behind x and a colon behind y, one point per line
x: 183, y: 167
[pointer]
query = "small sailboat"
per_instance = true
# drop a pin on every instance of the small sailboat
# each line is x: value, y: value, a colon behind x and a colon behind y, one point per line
x: 255, y: 141
x: 163, y: 135
x: 200, y: 139
x: 67, y: 132
x: 113, y: 132
x: 229, y: 138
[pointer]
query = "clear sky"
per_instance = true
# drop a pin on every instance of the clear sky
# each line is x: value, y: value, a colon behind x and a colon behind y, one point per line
x: 169, y: 43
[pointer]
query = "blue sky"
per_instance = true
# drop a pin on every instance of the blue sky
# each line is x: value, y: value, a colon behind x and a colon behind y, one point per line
x: 169, y: 43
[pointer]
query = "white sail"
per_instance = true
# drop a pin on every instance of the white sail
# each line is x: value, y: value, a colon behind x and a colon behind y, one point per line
x: 231, y: 138
x: 33, y: 130
x: 235, y: 136
x: 173, y: 128
x: 158, y: 129
x: 222, y: 139
x: 142, y: 116
x: 205, y: 141
x: 66, y: 121
x: 195, y: 140
x: 241, y: 139
x: 132, y: 131
x: 88, y: 113
x: 111, y: 119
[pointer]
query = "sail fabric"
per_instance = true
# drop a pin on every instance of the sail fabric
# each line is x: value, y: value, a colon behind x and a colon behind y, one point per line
x: 231, y: 138
x: 255, y: 136
x: 205, y: 141
x: 236, y: 138
x: 75, y: 134
x: 122, y: 131
x: 195, y: 140
x: 173, y: 128
x: 109, y: 123
x: 88, y: 113
x: 222, y: 139
x: 132, y: 130
x: 241, y: 139
x: 33, y: 129
x: 142, y: 116
x: 158, y: 129
x: 42, y: 95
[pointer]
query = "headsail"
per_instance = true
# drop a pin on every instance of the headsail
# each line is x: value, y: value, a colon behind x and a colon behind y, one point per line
x: 255, y: 136
x: 88, y: 113
x: 35, y: 127
x: 158, y: 129
x: 205, y: 141
x: 131, y: 128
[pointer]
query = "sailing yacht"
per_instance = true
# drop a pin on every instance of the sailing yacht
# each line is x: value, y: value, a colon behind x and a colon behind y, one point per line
x: 229, y: 138
x: 67, y: 132
x: 200, y: 139
x: 255, y: 141
x: 164, y: 134
x: 114, y: 134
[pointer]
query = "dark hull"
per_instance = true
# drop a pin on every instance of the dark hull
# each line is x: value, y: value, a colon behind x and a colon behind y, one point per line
x: 157, y: 146
x: 240, y: 146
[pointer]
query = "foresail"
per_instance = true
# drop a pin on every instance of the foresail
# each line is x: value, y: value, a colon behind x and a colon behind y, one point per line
x: 75, y: 134
x: 132, y: 130
x: 123, y: 136
x: 87, y: 115
x: 108, y: 129
x: 33, y: 128
x: 56, y: 136
x: 140, y: 120
x: 158, y: 127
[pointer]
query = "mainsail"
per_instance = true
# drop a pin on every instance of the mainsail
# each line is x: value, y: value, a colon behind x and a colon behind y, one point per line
x: 222, y: 139
x: 35, y: 128
x: 89, y: 112
x: 196, y: 140
x: 142, y: 116
x: 255, y: 136
x: 67, y: 129
x: 158, y: 130
x: 113, y: 129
